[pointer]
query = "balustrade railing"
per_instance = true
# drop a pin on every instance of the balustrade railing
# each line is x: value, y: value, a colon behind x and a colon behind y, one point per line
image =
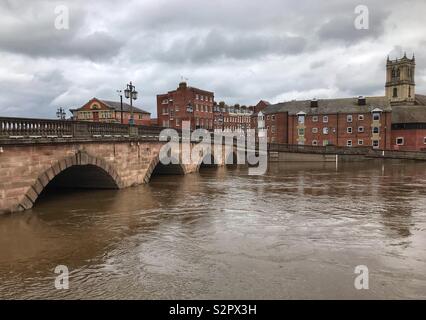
x: 12, y: 128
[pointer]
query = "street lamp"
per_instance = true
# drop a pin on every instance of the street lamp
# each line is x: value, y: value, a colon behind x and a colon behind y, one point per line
x: 60, y: 113
x: 131, y: 93
x: 121, y: 105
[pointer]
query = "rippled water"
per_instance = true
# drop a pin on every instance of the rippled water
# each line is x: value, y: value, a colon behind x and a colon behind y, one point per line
x: 296, y: 232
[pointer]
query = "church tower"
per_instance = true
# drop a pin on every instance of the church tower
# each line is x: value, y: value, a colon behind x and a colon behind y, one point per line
x: 400, y: 85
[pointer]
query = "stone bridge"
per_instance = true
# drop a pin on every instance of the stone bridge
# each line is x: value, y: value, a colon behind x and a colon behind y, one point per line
x: 35, y: 154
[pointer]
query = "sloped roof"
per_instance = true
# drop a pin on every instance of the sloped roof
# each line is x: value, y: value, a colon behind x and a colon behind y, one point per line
x: 330, y: 106
x: 126, y: 107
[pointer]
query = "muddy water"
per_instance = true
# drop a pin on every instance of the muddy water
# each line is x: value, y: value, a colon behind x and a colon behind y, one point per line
x: 298, y: 231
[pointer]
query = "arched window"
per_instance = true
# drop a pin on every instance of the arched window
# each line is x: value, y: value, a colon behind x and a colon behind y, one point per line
x: 395, y: 92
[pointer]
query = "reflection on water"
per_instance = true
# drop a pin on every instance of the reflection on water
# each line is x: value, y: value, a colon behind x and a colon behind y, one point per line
x: 296, y: 232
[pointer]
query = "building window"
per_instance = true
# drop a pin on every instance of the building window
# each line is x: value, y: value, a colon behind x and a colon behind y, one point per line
x: 360, y: 117
x: 360, y: 142
x: 361, y: 129
x: 176, y: 107
x: 268, y: 117
x: 375, y: 144
x: 395, y: 92
x: 197, y: 96
x: 325, y: 119
x: 273, y: 129
x: 409, y: 92
x: 376, y: 130
x: 273, y: 117
x: 165, y: 101
x: 424, y: 140
x: 349, y: 143
x: 400, y: 141
x: 325, y: 130
x: 314, y: 130
x: 314, y: 143
x: 315, y: 119
x: 301, y: 132
x: 349, y: 129
x: 325, y: 143
x: 349, y: 118
x: 301, y: 119
x: 177, y: 122
x: 376, y: 116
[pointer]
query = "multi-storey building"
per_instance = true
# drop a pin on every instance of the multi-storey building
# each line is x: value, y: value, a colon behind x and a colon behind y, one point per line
x: 97, y: 110
x: 394, y: 121
x: 232, y: 118
x: 186, y: 104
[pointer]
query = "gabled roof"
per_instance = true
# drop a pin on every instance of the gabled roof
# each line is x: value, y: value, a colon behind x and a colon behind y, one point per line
x: 330, y: 106
x: 126, y: 107
x: 114, y: 106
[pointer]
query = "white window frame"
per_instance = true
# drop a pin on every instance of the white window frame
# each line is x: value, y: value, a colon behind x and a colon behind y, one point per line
x: 361, y: 117
x: 314, y: 118
x: 378, y: 144
x: 314, y: 130
x: 360, y: 142
x: 349, y: 118
x: 361, y: 129
x: 376, y: 115
x: 325, y: 130
x: 315, y: 143
x: 349, y: 143
x: 400, y: 138
x: 325, y: 119
x: 349, y: 130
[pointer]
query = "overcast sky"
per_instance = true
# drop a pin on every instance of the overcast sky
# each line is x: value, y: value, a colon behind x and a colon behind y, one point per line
x: 243, y: 50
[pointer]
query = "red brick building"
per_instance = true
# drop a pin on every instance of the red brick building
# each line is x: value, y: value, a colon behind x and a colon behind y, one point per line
x: 232, y: 118
x: 97, y: 110
x: 342, y: 122
x: 186, y: 104
x: 396, y: 120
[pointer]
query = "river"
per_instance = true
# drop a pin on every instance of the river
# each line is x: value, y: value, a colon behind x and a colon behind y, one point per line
x: 298, y: 231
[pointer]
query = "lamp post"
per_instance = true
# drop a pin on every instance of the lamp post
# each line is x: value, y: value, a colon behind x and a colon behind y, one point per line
x: 131, y: 93
x: 121, y: 105
x: 60, y: 113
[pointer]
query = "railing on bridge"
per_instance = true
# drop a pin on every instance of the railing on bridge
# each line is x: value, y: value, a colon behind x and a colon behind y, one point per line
x: 275, y: 147
x: 14, y: 128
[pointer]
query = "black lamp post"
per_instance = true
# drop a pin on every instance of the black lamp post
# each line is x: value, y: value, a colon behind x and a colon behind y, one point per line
x: 121, y: 105
x: 60, y: 113
x: 131, y: 93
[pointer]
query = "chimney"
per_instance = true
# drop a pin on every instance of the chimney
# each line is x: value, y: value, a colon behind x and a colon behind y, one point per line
x: 362, y: 101
x: 314, y: 103
x: 182, y: 85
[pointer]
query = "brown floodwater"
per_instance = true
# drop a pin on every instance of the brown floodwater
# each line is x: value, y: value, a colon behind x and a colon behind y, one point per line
x: 298, y: 231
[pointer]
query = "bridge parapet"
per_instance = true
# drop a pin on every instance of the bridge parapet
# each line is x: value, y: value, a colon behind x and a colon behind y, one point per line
x: 26, y: 128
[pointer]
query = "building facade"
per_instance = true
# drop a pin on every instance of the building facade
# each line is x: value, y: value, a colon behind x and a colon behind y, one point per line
x: 97, y: 110
x: 186, y: 104
x: 232, y: 118
x: 395, y: 121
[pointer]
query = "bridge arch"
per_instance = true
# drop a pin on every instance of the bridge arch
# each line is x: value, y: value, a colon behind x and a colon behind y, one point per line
x: 90, y: 172
x: 156, y: 166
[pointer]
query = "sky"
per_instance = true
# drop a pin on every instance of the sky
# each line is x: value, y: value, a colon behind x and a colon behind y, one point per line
x: 63, y: 53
